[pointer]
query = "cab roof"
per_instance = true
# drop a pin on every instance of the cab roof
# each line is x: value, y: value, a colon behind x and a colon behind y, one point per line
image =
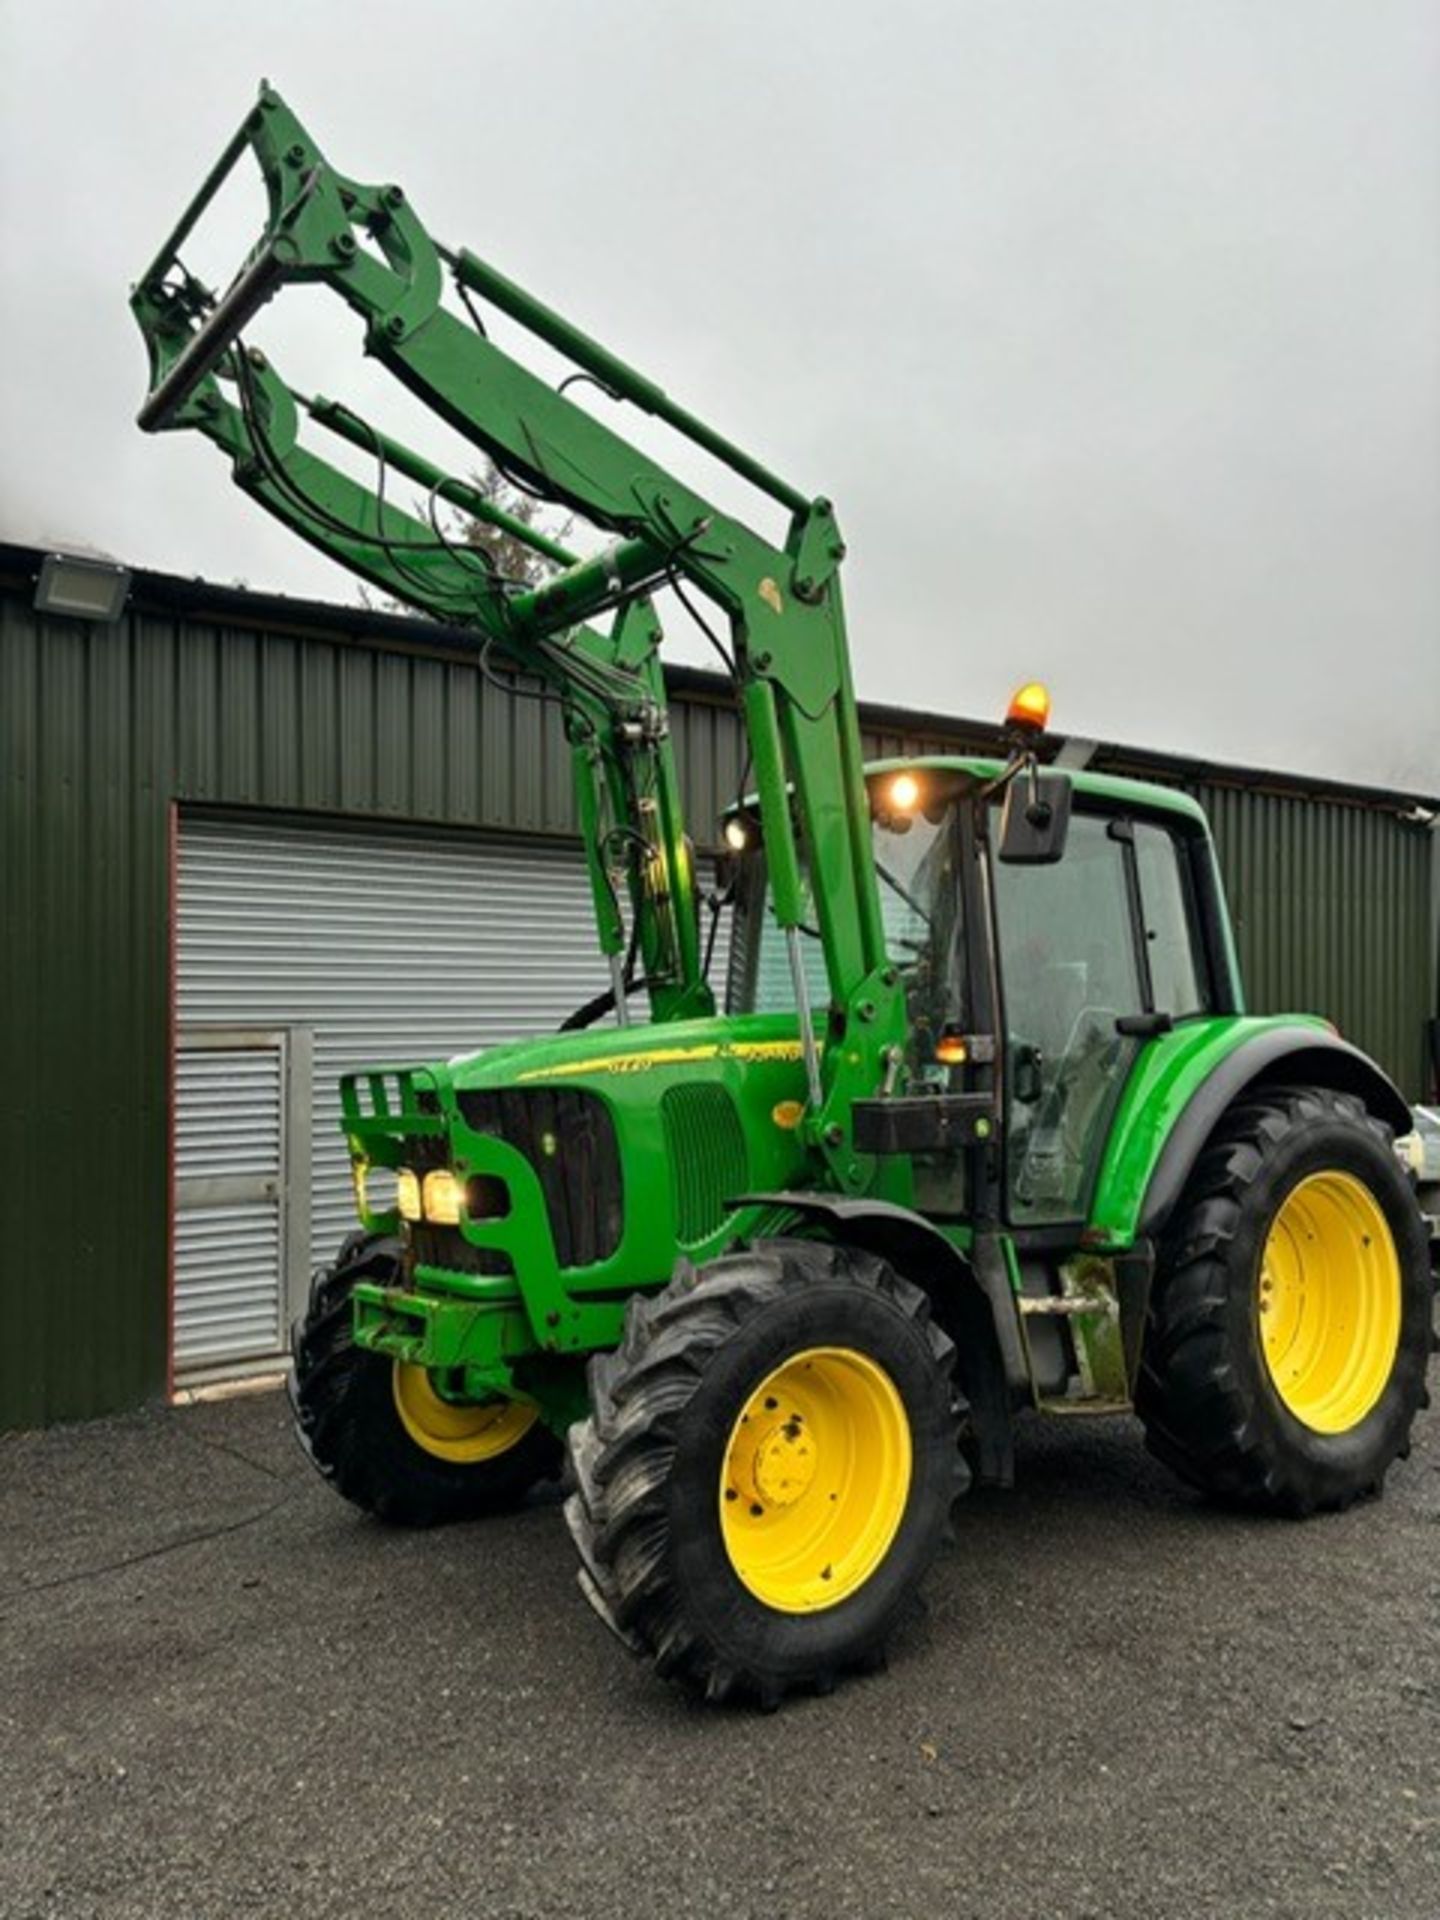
x: 1113, y: 790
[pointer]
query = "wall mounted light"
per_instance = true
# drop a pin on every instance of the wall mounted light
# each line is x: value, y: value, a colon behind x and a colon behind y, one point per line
x: 81, y: 588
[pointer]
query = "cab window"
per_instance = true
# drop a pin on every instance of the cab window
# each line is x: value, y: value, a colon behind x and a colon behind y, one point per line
x: 917, y: 873
x: 1177, y: 975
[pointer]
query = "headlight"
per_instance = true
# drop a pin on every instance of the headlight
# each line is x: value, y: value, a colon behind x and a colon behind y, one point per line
x: 437, y: 1198
x: 407, y: 1194
x: 442, y: 1197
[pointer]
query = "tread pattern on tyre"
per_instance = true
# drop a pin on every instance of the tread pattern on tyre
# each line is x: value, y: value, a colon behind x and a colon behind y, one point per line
x: 346, y: 1421
x: 1203, y: 1415
x: 622, y: 1455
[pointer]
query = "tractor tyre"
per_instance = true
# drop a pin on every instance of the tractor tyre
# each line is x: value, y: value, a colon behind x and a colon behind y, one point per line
x: 379, y: 1432
x: 1291, y: 1322
x: 768, y: 1468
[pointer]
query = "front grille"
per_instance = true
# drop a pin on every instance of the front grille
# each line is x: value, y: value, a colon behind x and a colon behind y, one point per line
x: 708, y: 1163
x: 568, y: 1137
x: 447, y: 1247
x: 426, y: 1152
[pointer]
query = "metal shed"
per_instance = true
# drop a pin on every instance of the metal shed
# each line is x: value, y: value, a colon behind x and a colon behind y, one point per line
x: 208, y: 805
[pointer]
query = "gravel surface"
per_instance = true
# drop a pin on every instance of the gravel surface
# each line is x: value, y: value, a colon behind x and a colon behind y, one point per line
x: 225, y: 1693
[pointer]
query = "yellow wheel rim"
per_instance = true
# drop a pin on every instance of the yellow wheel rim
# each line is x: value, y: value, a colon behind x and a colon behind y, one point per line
x: 464, y: 1435
x: 815, y: 1479
x: 1329, y: 1303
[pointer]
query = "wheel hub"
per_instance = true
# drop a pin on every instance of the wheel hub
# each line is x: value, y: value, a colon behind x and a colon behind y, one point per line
x: 815, y: 1479
x: 1329, y: 1301
x: 785, y: 1464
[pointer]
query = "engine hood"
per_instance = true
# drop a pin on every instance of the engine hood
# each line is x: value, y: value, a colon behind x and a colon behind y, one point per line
x: 600, y: 1054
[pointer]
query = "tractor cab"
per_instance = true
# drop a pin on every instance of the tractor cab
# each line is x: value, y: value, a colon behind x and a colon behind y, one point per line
x: 1039, y: 979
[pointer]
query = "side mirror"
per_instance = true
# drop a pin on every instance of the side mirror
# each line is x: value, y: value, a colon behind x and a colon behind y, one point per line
x: 1036, y: 820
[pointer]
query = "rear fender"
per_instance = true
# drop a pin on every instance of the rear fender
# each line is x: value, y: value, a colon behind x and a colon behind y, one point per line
x: 960, y: 1300
x: 1281, y: 1056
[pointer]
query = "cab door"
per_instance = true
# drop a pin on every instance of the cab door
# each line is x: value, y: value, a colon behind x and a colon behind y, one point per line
x: 1073, y: 973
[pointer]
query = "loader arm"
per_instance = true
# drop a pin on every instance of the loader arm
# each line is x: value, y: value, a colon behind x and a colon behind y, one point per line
x: 782, y: 605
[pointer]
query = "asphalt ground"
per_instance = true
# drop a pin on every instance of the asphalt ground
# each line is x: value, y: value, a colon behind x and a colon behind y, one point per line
x: 224, y: 1692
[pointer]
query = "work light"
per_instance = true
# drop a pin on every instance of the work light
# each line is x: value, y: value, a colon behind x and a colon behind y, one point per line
x: 81, y: 588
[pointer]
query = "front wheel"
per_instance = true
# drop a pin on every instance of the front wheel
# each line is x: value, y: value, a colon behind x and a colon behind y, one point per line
x: 1291, y: 1323
x: 768, y: 1468
x: 383, y: 1433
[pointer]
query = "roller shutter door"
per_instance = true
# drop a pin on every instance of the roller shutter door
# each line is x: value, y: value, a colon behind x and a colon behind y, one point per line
x: 367, y: 947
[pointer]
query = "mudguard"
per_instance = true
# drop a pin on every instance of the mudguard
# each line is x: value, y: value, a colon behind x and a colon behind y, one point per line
x: 1288, y: 1055
x: 963, y: 1305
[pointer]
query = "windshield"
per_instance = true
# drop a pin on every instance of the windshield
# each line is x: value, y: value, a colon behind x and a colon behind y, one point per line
x: 917, y: 867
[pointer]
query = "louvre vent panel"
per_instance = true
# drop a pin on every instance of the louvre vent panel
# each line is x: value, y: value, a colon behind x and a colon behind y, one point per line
x: 227, y: 1283
x: 229, y: 1128
x: 227, y: 1108
x: 708, y: 1164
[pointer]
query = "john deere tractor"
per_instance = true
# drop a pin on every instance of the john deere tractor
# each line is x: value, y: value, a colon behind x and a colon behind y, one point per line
x: 977, y: 1122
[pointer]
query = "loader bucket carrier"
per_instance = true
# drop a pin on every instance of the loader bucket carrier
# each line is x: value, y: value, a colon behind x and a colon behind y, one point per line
x: 983, y: 1128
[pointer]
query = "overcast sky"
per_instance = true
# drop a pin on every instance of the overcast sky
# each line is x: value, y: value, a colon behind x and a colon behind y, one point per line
x: 1111, y: 326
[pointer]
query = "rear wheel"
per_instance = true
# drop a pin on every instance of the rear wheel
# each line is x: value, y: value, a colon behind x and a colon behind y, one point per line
x: 768, y: 1468
x: 383, y: 1433
x: 1291, y: 1324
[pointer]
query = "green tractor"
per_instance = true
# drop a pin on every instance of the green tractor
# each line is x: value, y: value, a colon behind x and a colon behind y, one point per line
x: 983, y: 1125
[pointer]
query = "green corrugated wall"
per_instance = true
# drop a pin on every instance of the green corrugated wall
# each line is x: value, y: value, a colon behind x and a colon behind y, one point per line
x: 1332, y: 911
x: 105, y: 727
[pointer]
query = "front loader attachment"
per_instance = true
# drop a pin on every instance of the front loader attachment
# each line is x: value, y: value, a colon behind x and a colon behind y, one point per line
x: 787, y: 647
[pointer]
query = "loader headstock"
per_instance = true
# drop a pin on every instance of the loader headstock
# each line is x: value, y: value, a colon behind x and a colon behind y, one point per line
x: 315, y: 215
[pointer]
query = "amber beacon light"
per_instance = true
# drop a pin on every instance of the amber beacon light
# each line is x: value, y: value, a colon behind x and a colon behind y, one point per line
x: 1029, y: 708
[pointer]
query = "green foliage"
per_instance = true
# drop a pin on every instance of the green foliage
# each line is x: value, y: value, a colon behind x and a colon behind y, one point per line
x: 512, y: 560
x: 508, y: 554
